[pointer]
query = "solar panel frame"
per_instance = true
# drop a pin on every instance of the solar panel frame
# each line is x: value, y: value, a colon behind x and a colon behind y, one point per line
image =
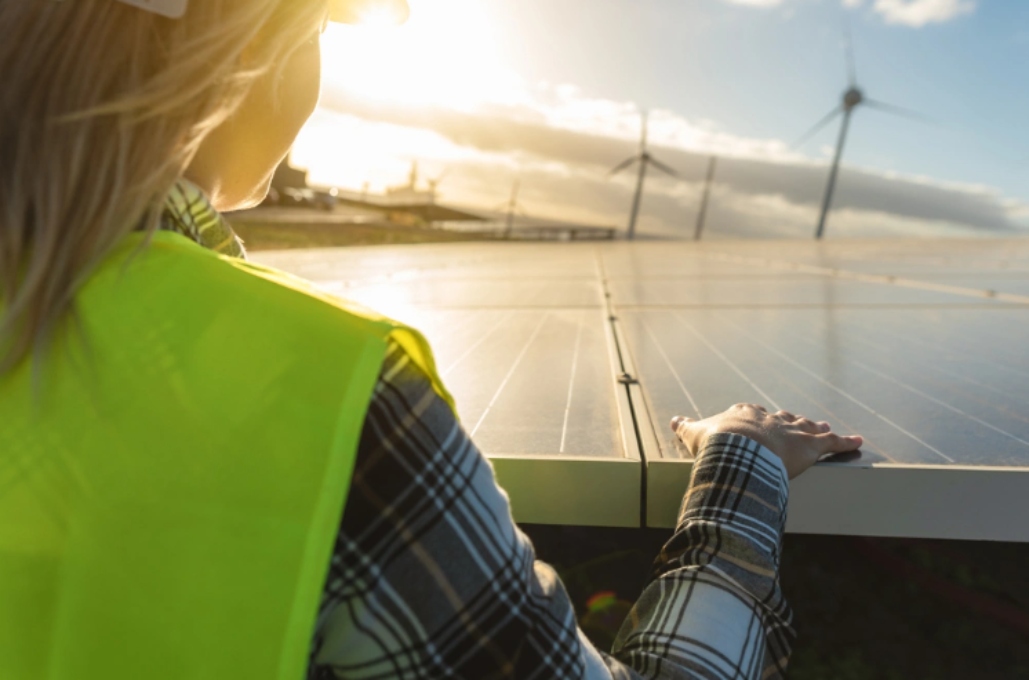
x: 863, y: 497
x: 979, y: 282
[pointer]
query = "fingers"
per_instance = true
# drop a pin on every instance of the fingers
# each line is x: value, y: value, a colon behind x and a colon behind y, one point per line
x: 755, y: 407
x: 679, y: 421
x: 809, y: 426
x: 834, y: 443
x: 805, y: 424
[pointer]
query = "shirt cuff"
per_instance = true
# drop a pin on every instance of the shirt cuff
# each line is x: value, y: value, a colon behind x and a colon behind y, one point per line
x: 742, y: 487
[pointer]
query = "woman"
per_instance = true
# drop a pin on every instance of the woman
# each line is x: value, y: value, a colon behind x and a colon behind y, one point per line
x: 182, y: 432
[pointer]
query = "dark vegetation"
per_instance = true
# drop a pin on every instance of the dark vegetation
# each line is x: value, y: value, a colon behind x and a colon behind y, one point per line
x: 281, y: 236
x: 887, y: 609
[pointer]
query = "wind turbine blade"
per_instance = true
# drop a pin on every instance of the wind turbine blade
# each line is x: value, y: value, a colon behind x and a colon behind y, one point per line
x: 643, y: 134
x: 848, y: 47
x: 818, y: 126
x: 623, y: 165
x: 898, y: 111
x: 663, y: 168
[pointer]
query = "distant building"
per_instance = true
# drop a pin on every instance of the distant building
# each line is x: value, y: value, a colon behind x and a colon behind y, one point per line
x: 288, y: 177
x: 410, y: 193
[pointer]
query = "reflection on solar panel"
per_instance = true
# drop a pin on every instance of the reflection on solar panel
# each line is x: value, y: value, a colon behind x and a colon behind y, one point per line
x: 569, y: 360
x: 522, y: 339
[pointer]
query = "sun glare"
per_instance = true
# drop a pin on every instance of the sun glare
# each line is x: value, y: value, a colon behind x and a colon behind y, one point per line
x: 380, y: 16
x: 445, y: 55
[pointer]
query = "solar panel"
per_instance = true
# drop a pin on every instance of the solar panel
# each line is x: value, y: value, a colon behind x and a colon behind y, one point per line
x: 917, y: 345
x: 911, y: 345
x: 522, y: 339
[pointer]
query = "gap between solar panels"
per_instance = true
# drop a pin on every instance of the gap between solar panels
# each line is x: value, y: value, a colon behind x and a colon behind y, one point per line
x: 873, y: 278
x: 569, y: 389
x: 804, y: 359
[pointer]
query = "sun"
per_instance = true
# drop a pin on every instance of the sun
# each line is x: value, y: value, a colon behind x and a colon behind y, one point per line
x: 447, y: 54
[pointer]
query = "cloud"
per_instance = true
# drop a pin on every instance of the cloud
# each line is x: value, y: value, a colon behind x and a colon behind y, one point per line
x: 918, y: 13
x: 763, y: 188
x: 756, y: 3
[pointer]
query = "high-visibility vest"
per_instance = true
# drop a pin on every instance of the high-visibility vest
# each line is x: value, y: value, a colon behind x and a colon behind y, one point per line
x: 173, y: 473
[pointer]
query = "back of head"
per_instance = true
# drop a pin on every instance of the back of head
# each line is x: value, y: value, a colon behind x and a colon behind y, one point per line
x: 102, y: 108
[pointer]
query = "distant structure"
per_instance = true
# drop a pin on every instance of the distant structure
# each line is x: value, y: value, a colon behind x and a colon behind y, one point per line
x: 288, y: 177
x: 410, y: 193
x: 513, y: 208
x: 411, y: 205
x: 852, y: 98
x: 644, y: 159
x: 702, y: 213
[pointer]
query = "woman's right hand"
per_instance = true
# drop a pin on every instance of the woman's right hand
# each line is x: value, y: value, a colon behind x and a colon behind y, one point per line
x: 799, y: 442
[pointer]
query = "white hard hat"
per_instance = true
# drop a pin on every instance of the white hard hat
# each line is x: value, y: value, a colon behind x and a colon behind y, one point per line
x: 342, y: 11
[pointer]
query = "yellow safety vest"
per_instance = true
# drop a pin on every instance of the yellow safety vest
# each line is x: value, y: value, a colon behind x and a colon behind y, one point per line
x: 172, y: 478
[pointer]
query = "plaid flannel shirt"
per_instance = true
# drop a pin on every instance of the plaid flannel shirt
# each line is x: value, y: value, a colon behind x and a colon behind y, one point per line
x: 431, y: 578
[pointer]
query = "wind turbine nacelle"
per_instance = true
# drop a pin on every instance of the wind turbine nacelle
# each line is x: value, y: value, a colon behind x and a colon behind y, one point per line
x: 852, y: 98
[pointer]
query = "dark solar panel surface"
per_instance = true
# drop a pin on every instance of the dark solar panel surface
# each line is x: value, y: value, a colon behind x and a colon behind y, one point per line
x: 920, y: 346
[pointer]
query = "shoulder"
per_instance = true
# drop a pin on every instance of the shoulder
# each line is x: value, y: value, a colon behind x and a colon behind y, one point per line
x: 182, y: 278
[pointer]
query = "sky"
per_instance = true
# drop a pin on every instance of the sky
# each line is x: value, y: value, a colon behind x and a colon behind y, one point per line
x: 550, y: 92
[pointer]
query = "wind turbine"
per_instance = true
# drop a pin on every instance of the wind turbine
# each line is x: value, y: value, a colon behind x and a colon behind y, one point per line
x: 702, y: 213
x: 644, y: 159
x: 512, y: 207
x: 853, y: 97
x: 434, y: 184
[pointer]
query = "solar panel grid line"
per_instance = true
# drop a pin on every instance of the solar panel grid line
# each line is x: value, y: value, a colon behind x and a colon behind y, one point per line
x: 1001, y: 371
x: 807, y: 404
x: 971, y: 398
x: 507, y: 378
x: 478, y: 343
x: 887, y: 279
x: 940, y: 402
x: 571, y: 385
x: 673, y: 370
x: 929, y: 366
x: 999, y: 356
x: 924, y: 395
x: 1001, y: 329
x: 728, y: 362
x: 844, y: 393
x: 818, y: 292
x: 602, y: 495
x: 928, y: 345
x: 839, y: 422
x: 905, y: 366
x: 581, y: 489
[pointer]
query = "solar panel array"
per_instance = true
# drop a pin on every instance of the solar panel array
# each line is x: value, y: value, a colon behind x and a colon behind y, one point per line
x: 569, y: 360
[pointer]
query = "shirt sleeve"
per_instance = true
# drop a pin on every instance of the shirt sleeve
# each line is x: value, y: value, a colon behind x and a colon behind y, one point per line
x: 715, y: 608
x: 430, y: 576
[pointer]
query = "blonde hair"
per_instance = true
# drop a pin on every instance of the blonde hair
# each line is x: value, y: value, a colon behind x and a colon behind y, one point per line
x: 102, y: 108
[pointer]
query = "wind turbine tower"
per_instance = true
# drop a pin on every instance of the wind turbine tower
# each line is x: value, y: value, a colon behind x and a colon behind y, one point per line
x: 434, y: 185
x: 512, y: 208
x: 644, y: 159
x: 853, y: 97
x: 702, y: 213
